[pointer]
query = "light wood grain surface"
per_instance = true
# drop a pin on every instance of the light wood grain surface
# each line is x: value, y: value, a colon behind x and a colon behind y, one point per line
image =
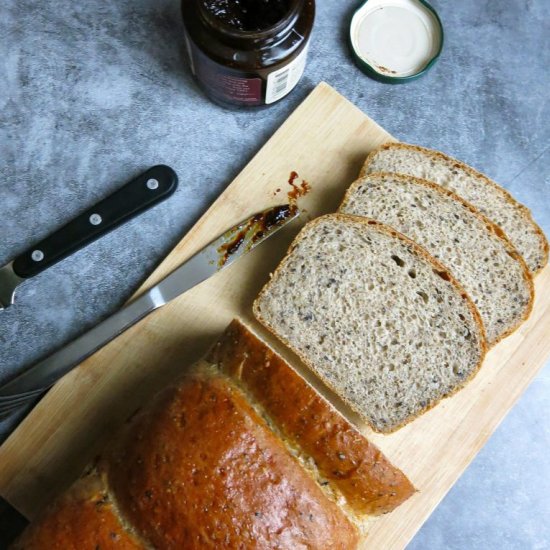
x: 325, y: 140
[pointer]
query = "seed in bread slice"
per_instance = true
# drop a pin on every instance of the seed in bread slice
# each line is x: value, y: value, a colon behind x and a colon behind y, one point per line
x: 488, y: 197
x: 476, y: 252
x: 379, y: 320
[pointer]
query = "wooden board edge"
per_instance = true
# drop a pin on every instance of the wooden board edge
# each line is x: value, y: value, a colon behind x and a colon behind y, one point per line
x: 534, y: 336
x: 165, y: 267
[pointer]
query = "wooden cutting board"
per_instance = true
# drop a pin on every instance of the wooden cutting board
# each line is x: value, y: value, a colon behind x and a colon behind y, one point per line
x: 325, y: 141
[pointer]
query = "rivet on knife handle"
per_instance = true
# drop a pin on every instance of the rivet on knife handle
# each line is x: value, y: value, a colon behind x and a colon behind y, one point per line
x: 141, y: 193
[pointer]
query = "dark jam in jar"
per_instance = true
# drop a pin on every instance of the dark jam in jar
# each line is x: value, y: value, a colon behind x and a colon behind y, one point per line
x: 247, y: 52
x: 248, y: 15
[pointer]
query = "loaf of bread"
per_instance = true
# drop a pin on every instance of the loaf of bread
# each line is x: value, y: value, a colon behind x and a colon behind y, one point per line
x: 382, y: 322
x: 343, y: 460
x: 239, y: 453
x: 476, y: 251
x: 488, y: 197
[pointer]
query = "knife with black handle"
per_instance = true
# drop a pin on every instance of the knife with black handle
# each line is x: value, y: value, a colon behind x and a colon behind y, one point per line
x: 143, y: 192
x: 233, y: 244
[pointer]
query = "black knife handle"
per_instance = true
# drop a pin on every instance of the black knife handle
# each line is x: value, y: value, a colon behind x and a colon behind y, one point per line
x: 145, y: 191
x: 12, y: 524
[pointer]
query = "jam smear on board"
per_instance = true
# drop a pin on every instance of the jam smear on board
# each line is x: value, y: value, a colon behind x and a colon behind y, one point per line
x: 297, y: 191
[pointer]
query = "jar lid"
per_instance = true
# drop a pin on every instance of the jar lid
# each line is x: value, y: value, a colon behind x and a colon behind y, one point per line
x: 396, y: 40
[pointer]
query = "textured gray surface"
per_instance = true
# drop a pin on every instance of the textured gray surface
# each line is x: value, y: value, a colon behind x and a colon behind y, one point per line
x: 94, y: 92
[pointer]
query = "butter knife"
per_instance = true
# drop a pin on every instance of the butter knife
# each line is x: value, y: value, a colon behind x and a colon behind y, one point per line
x: 222, y: 252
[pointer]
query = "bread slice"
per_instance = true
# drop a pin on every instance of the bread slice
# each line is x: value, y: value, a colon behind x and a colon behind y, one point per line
x: 476, y: 251
x: 383, y: 323
x: 349, y: 468
x: 488, y: 197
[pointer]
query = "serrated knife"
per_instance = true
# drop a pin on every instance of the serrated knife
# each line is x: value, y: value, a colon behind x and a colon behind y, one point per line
x: 222, y: 252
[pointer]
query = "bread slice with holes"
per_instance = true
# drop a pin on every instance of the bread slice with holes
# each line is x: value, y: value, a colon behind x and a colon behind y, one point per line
x: 488, y: 197
x: 474, y: 249
x: 388, y: 344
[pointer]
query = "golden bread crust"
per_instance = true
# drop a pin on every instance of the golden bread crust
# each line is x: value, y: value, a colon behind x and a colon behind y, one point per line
x: 84, y: 518
x: 368, y: 481
x: 200, y: 469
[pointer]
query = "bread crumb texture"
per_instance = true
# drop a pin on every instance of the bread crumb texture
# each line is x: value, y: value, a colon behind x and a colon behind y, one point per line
x: 453, y: 231
x: 379, y: 320
x: 487, y: 196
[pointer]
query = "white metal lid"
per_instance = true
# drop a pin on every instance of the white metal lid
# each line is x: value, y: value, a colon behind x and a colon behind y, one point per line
x: 396, y: 39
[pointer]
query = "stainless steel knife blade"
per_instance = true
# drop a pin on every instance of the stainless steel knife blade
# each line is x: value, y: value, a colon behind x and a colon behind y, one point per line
x: 219, y: 254
x: 9, y: 281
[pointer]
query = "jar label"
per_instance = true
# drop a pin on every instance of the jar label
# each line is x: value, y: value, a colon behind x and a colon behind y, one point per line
x: 225, y: 83
x: 237, y: 87
x: 283, y: 81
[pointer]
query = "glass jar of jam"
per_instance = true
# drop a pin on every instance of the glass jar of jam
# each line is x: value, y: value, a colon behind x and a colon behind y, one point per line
x: 247, y: 52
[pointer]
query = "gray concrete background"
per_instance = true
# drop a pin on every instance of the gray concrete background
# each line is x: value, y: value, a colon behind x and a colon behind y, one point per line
x: 94, y: 92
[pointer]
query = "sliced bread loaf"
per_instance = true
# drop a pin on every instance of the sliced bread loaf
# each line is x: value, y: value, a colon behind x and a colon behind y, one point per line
x: 347, y: 466
x: 488, y: 197
x: 200, y: 469
x: 383, y: 323
x: 476, y: 252
x: 240, y: 452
